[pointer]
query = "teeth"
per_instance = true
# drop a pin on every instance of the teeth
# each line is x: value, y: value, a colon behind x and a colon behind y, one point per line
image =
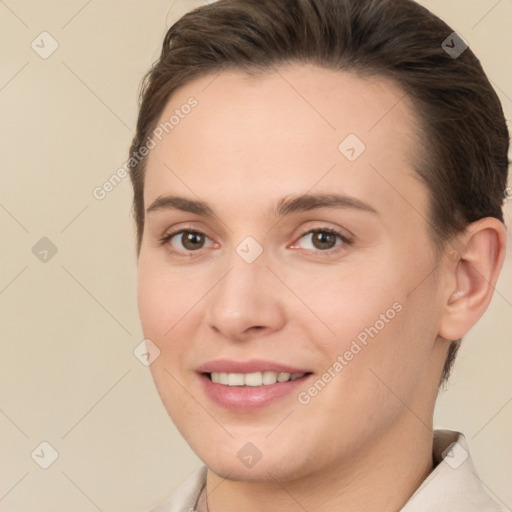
x: 235, y: 379
x: 283, y: 377
x: 269, y: 378
x: 253, y: 379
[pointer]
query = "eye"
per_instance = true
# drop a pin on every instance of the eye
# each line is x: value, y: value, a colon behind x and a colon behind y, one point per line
x: 187, y: 240
x: 323, y: 239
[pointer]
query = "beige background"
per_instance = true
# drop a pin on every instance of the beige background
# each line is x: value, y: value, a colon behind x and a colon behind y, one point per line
x: 68, y: 375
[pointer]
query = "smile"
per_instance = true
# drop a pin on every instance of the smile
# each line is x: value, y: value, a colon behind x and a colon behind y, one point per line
x: 266, y: 378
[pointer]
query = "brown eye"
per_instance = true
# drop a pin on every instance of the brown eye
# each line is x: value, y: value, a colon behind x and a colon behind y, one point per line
x: 323, y: 240
x: 186, y: 240
x: 192, y: 240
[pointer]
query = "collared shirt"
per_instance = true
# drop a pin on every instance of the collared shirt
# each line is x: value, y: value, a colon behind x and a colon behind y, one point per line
x: 452, y: 486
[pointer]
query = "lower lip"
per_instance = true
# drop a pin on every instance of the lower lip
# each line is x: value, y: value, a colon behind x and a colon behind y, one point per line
x: 248, y: 398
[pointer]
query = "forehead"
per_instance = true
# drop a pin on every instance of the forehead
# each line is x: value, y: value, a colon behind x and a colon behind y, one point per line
x: 297, y: 127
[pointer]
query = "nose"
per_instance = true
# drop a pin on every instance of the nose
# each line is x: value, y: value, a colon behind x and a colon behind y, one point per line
x: 246, y: 302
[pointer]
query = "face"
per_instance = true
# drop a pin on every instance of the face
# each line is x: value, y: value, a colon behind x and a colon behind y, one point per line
x: 286, y: 272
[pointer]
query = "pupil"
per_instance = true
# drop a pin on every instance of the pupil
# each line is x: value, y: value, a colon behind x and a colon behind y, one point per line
x: 323, y: 240
x: 192, y: 241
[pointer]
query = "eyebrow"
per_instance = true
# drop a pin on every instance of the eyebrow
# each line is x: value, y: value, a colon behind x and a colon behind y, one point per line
x: 284, y: 207
x: 181, y: 203
x: 308, y: 202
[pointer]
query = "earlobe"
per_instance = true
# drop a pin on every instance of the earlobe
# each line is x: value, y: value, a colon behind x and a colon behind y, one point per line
x: 473, y: 276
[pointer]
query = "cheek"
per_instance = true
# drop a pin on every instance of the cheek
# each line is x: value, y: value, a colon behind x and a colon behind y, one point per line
x: 348, y: 303
x: 163, y: 304
x: 372, y: 321
x: 164, y: 298
x: 371, y: 367
x: 171, y: 309
x: 152, y: 301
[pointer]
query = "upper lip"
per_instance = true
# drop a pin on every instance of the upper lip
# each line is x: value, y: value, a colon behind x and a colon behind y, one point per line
x: 254, y: 365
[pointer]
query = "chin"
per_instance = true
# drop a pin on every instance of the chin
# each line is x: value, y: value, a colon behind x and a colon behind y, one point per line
x: 243, y: 461
x: 260, y: 472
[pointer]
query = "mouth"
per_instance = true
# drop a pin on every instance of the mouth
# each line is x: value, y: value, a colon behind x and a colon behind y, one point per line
x: 247, y: 386
x: 266, y: 378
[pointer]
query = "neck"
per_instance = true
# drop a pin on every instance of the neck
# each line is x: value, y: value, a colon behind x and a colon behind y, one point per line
x: 382, y: 477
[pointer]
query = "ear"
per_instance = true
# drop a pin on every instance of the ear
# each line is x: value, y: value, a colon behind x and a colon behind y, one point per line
x: 473, y: 263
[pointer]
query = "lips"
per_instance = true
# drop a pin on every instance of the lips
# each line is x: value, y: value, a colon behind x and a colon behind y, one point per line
x: 248, y: 385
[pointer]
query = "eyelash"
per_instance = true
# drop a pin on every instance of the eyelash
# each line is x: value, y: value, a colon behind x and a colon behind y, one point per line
x: 346, y: 241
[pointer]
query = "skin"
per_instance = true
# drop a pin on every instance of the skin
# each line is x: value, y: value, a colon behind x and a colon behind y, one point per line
x: 250, y: 143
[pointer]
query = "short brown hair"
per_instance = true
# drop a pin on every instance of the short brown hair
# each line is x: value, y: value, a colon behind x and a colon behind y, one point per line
x: 463, y: 162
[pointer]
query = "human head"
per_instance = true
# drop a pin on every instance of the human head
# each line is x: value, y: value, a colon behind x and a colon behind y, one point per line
x: 250, y: 151
x: 463, y: 160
